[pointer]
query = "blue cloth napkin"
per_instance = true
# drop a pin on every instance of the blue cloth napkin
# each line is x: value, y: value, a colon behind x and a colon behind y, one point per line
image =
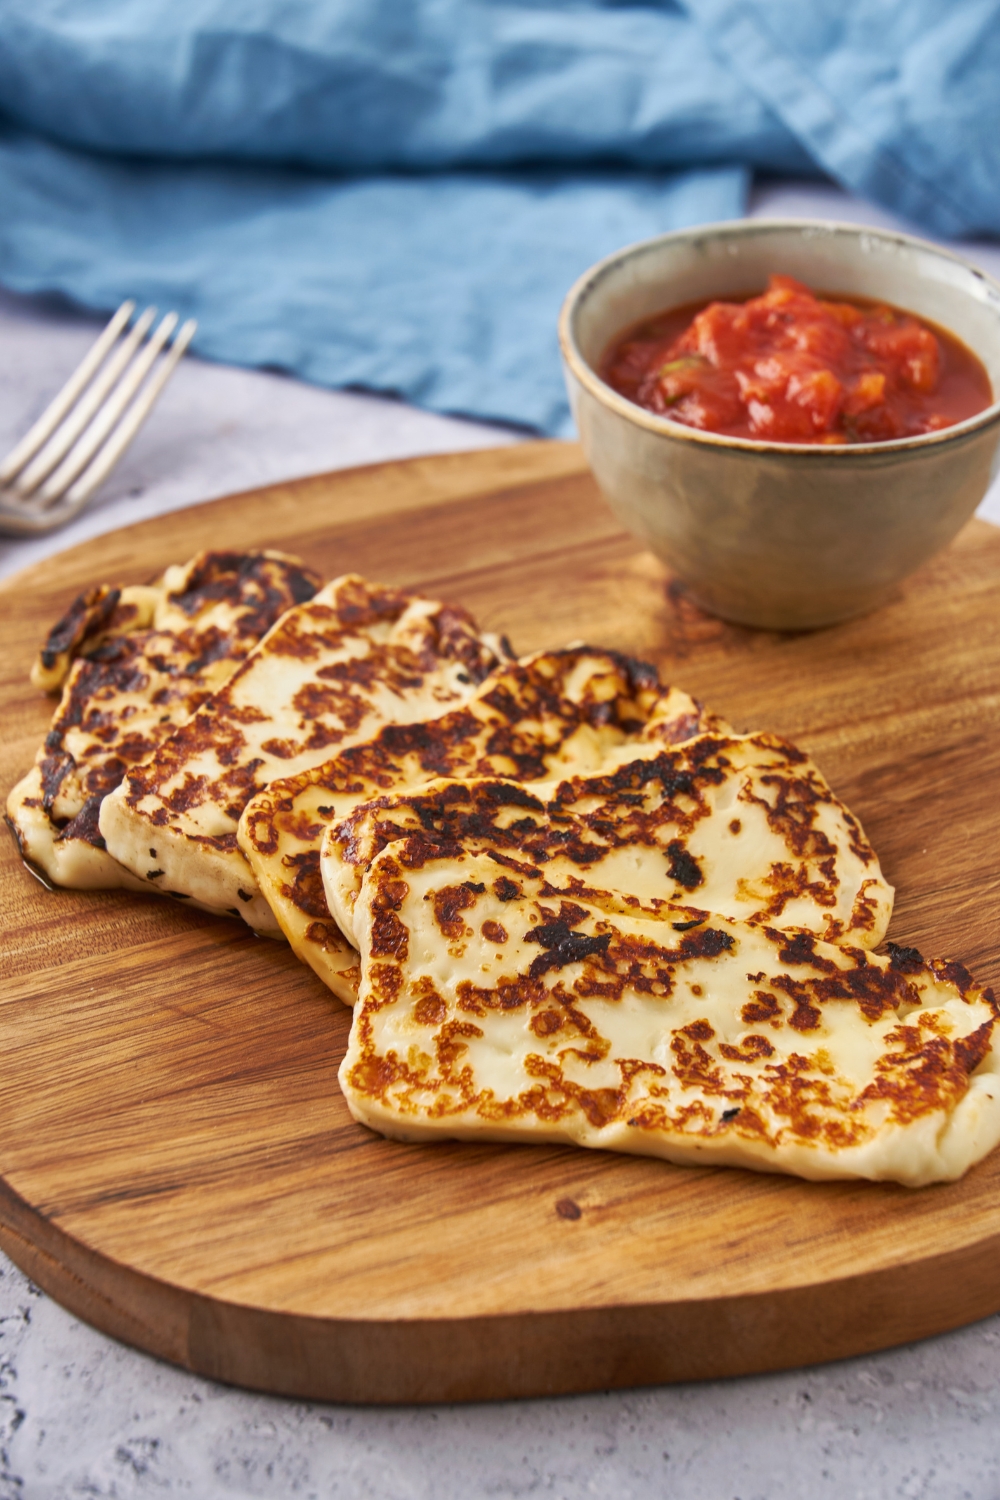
x: 898, y: 100
x: 396, y: 194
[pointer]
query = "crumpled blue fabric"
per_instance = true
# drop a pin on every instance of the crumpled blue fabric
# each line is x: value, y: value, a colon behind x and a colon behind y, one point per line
x: 396, y: 194
x: 898, y: 100
x: 443, y: 289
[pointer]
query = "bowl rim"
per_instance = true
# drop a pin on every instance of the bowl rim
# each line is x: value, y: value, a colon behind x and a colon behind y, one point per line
x: 807, y: 452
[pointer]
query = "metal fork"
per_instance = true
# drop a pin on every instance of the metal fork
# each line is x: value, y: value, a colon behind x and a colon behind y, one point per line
x: 52, y: 472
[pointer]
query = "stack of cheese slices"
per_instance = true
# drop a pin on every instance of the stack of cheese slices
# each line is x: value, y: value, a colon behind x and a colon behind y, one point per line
x: 566, y: 902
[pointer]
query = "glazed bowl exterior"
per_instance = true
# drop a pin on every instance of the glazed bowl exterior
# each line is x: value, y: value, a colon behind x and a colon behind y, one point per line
x: 781, y: 535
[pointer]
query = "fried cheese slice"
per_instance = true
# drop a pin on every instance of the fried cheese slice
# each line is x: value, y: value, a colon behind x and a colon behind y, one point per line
x: 494, y: 1006
x: 329, y: 674
x: 551, y: 714
x: 740, y: 825
x: 134, y: 663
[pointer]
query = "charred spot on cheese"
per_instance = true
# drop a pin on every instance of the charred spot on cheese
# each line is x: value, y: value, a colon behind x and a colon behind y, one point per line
x: 305, y: 885
x: 389, y: 937
x: 429, y: 1009
x: 85, y: 616
x: 906, y: 960
x: 562, y: 945
x: 763, y: 1007
x: 449, y: 903
x: 683, y: 867
x: 952, y: 972
x: 85, y: 825
x: 708, y: 942
x: 799, y: 948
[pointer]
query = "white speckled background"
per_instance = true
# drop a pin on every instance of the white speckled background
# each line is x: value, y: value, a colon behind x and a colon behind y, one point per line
x: 83, y: 1416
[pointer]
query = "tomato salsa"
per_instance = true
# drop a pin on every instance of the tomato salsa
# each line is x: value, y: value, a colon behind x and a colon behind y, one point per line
x: 791, y: 366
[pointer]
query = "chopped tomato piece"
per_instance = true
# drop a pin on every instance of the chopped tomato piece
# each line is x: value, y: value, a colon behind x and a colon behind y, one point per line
x: 868, y: 391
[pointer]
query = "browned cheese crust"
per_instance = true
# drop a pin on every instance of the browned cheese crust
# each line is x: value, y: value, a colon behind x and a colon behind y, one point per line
x: 330, y: 674
x: 741, y: 825
x: 551, y: 712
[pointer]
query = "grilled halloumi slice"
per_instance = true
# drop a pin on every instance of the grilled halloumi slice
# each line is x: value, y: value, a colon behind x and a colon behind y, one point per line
x: 494, y: 1007
x: 741, y: 825
x: 329, y: 675
x: 551, y: 714
x: 133, y: 663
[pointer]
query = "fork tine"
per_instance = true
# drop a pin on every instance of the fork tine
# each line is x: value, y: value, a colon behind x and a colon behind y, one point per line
x: 133, y: 420
x: 82, y: 413
x: 60, y: 404
x: 107, y: 418
x: 106, y: 439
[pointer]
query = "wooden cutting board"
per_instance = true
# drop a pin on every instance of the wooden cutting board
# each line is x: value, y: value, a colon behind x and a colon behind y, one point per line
x: 178, y: 1166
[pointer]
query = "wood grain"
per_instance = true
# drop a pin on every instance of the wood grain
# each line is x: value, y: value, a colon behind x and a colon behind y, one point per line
x: 177, y: 1164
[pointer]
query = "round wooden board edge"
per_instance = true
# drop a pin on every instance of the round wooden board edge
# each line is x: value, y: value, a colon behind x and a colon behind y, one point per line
x: 502, y: 1357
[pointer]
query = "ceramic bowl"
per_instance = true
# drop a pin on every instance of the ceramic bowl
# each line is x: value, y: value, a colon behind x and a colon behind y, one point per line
x: 776, y: 534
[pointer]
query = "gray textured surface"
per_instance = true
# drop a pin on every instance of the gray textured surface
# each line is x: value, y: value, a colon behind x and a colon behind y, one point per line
x: 83, y: 1416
